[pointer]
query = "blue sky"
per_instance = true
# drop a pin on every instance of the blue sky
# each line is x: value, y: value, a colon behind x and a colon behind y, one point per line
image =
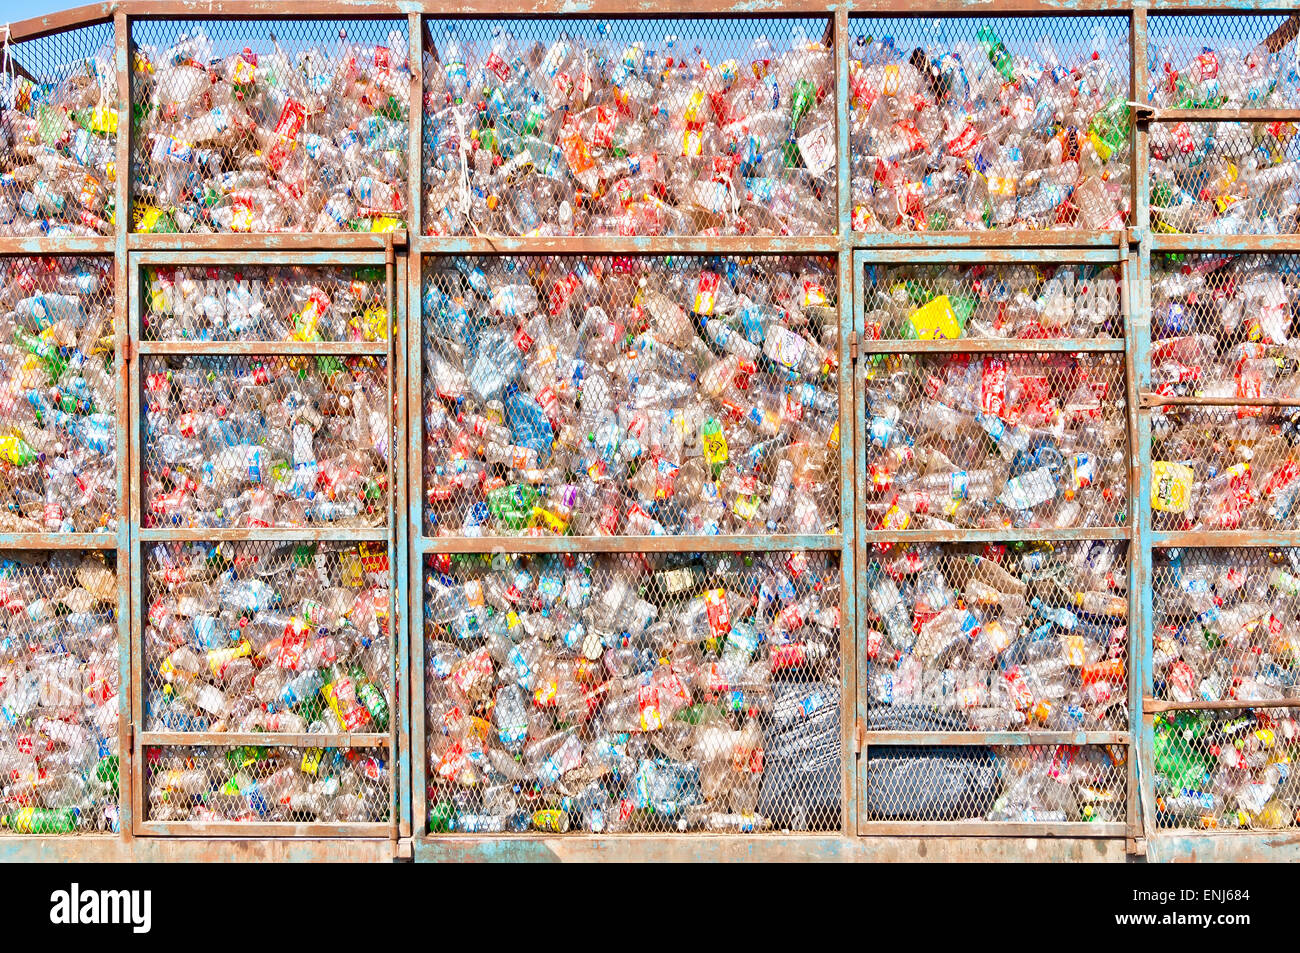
x: 14, y: 10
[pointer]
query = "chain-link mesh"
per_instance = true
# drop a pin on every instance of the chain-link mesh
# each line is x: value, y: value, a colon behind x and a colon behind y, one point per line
x: 59, y: 688
x: 58, y: 413
x: 998, y: 637
x: 266, y: 636
x: 944, y: 302
x: 719, y: 126
x: 1224, y: 178
x: 200, y: 784
x: 970, y: 124
x: 58, y: 134
x: 1227, y: 770
x: 630, y: 396
x: 1034, y: 784
x: 1226, y: 624
x: 265, y: 441
x: 257, y: 303
x: 633, y: 692
x: 995, y: 441
x: 270, y: 125
x: 1221, y: 62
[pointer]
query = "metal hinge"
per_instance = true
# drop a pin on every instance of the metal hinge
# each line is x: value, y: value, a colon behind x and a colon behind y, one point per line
x: 853, y: 345
x: 130, y: 737
x: 859, y: 735
x: 1142, y: 112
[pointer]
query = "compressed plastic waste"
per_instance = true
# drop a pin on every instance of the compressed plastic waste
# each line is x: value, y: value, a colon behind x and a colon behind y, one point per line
x: 58, y: 147
x: 267, y: 785
x: 1035, y: 784
x: 1226, y: 624
x: 1004, y: 637
x: 631, y: 396
x: 995, y: 441
x: 59, y: 693
x: 613, y: 130
x: 292, y: 303
x: 271, y: 637
x: 975, y: 136
x: 58, y: 413
x: 1221, y: 327
x: 306, y: 140
x: 1227, y: 770
x: 632, y: 693
x: 271, y: 441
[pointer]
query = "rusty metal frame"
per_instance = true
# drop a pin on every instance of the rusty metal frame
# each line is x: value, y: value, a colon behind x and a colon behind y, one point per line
x: 395, y: 278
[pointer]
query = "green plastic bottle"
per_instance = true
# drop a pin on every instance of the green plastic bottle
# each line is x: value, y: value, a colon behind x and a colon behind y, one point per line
x: 39, y: 820
x: 997, y: 53
x: 371, y: 697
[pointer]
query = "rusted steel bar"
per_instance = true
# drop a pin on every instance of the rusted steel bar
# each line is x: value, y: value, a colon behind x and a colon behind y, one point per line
x: 1149, y: 399
x: 1226, y: 115
x: 999, y: 738
x: 1068, y: 254
x: 56, y: 245
x: 1157, y: 705
x: 58, y: 541
x: 326, y: 258
x: 624, y: 544
x: 273, y: 241
x: 268, y: 348
x: 275, y: 829
x: 1036, y: 239
x: 630, y: 245
x: 235, y: 739
x: 1171, y: 539
x: 258, y: 534
x: 998, y: 345
x: 1197, y: 242
x: 1007, y: 535
x: 1002, y: 828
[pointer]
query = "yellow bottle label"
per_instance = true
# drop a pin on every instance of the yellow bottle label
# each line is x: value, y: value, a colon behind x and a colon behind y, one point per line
x: 1171, y: 486
x: 936, y: 320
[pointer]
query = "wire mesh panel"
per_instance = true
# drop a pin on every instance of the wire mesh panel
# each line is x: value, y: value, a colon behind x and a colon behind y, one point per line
x: 1227, y: 770
x: 270, y: 125
x: 1226, y: 624
x: 260, y: 303
x: 998, y: 637
x: 267, y: 636
x: 949, y: 301
x: 1034, y: 784
x: 267, y: 784
x: 1224, y: 178
x: 265, y: 441
x: 630, y: 396
x: 1222, y: 62
x: 58, y: 413
x: 633, y: 692
x: 629, y: 127
x: 995, y: 441
x: 59, y: 693
x: 58, y: 134
x: 973, y: 124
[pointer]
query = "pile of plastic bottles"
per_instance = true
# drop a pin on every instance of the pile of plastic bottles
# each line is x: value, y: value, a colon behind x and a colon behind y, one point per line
x: 998, y: 637
x: 267, y: 637
x: 628, y: 693
x: 946, y: 302
x: 313, y: 140
x: 58, y: 149
x: 1201, y: 77
x: 634, y: 396
x: 970, y: 136
x: 1221, y: 326
x: 59, y: 693
x: 274, y: 441
x: 612, y: 134
x: 266, y: 785
x: 1227, y: 770
x: 994, y: 441
x: 292, y: 303
x: 58, y: 417
x: 1227, y: 624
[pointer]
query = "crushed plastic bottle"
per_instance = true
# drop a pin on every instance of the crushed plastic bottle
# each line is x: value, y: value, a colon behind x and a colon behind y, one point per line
x: 58, y: 412
x: 973, y: 136
x: 995, y: 441
x: 623, y: 693
x: 1221, y: 327
x: 59, y: 693
x: 265, y: 304
x: 998, y: 638
x: 58, y: 148
x: 613, y: 130
x: 1227, y: 770
x: 267, y: 637
x: 631, y: 396
x: 267, y: 785
x: 1226, y: 624
x: 257, y: 442
x: 309, y: 140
